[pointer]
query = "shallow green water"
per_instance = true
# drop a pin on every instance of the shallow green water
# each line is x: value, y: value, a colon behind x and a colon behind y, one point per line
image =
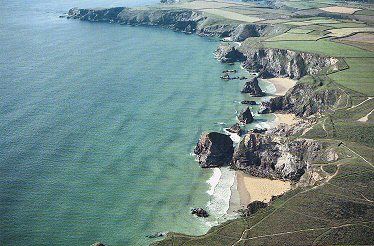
x: 97, y: 125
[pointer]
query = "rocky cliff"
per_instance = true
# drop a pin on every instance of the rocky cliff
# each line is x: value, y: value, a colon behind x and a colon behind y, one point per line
x: 305, y: 99
x: 263, y: 155
x: 214, y: 149
x: 183, y: 20
x: 287, y: 63
x: 252, y: 87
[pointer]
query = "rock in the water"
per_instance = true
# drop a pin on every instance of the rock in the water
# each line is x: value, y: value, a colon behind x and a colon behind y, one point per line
x: 214, y: 149
x: 248, y: 102
x: 252, y: 87
x: 98, y: 244
x: 199, y: 212
x: 235, y: 129
x: 245, y: 116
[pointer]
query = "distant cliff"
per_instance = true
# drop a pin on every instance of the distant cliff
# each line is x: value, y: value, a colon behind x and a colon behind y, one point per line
x: 187, y: 21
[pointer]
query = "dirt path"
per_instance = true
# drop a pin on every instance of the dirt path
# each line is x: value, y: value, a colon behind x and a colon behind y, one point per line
x: 366, y: 117
x: 369, y: 98
x: 354, y: 152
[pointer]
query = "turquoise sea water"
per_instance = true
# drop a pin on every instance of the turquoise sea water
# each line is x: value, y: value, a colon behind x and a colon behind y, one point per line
x: 97, y: 125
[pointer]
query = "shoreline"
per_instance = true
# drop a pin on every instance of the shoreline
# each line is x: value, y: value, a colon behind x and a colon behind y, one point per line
x: 251, y: 188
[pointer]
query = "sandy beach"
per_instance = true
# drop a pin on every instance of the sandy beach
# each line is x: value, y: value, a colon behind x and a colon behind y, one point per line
x: 259, y: 189
x: 288, y: 119
x: 282, y: 85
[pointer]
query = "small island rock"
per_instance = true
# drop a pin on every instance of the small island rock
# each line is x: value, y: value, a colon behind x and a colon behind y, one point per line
x: 245, y: 116
x: 214, y: 149
x: 252, y: 87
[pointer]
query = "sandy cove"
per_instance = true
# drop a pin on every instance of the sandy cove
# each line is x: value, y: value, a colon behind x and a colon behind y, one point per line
x: 282, y: 85
x: 250, y: 188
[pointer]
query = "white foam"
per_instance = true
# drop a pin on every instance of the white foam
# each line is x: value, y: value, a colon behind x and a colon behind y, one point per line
x: 234, y: 137
x: 213, y: 181
x: 220, y: 199
x: 220, y: 123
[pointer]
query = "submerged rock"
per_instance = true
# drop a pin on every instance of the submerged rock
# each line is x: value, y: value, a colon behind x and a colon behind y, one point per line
x: 245, y: 116
x: 98, y: 244
x: 252, y: 87
x: 214, y: 149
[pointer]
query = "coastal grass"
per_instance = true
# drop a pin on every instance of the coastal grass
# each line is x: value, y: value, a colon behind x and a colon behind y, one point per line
x: 322, y: 47
x: 342, y: 32
x: 294, y: 37
x: 359, y: 76
x: 232, y: 15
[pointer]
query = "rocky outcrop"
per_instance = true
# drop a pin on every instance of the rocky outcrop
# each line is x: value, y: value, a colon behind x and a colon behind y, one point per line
x: 252, y: 208
x: 235, y: 129
x: 199, y: 212
x: 262, y: 155
x: 287, y: 63
x: 245, y: 116
x: 252, y: 87
x: 183, y: 20
x: 244, y: 31
x: 214, y: 149
x: 228, y: 54
x: 305, y: 99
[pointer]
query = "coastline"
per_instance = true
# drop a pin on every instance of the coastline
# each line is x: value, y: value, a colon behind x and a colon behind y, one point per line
x: 249, y: 188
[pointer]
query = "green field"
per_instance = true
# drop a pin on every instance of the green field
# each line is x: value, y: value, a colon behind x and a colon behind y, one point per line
x: 358, y: 77
x: 323, y: 47
x: 294, y: 37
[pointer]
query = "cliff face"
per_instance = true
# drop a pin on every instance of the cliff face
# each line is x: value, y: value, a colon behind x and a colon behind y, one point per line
x: 214, y: 149
x: 287, y: 63
x: 305, y: 99
x: 266, y: 156
x: 187, y: 21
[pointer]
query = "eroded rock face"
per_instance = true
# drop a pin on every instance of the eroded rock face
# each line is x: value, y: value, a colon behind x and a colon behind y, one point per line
x: 262, y: 155
x: 252, y: 87
x: 235, y: 129
x: 244, y: 31
x: 245, y: 116
x: 304, y: 99
x: 214, y: 149
x: 286, y: 63
x: 187, y: 21
x: 229, y: 54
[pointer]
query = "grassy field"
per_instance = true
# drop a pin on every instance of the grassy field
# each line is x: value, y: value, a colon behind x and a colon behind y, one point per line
x: 341, y: 32
x: 323, y: 47
x: 358, y: 77
x: 294, y: 37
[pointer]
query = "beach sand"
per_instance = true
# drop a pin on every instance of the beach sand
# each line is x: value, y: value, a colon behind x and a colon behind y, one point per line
x: 288, y: 119
x: 282, y: 85
x: 259, y: 189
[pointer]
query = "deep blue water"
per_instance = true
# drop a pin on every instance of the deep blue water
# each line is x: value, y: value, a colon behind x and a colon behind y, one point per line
x: 97, y: 125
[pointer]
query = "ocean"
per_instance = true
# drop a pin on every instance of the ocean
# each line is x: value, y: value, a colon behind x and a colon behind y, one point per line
x: 98, y: 123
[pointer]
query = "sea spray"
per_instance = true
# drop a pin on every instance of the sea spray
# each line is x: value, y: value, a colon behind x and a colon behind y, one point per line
x: 213, y: 181
x: 220, y: 199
